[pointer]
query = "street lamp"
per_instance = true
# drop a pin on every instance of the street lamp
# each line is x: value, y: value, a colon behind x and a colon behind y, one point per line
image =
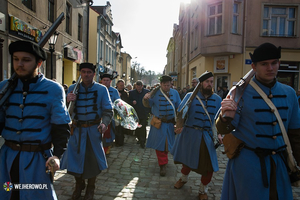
x: 52, y: 42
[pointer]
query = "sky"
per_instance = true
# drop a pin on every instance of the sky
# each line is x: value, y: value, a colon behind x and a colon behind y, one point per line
x: 145, y: 27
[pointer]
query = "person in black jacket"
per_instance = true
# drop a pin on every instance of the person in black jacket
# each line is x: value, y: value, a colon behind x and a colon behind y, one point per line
x: 195, y: 81
x: 136, y: 96
x: 120, y: 131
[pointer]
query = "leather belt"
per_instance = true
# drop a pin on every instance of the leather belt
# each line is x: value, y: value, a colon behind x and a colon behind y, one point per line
x: 167, y: 120
x: 27, y: 147
x: 85, y: 124
x: 262, y: 153
x: 198, y: 128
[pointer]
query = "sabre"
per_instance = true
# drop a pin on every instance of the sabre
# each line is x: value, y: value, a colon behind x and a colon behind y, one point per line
x: 75, y: 91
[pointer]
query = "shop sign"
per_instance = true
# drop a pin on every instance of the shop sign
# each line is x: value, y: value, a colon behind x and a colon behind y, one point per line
x: 69, y: 53
x: 24, y: 30
x: 79, y: 59
x: 221, y: 64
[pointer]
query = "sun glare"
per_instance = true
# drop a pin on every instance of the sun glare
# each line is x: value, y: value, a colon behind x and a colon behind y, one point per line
x: 185, y: 1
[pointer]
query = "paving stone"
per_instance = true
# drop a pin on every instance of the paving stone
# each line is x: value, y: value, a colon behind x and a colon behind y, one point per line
x: 133, y: 174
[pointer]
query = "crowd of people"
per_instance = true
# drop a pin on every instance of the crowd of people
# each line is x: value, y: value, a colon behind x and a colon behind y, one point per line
x: 39, y: 132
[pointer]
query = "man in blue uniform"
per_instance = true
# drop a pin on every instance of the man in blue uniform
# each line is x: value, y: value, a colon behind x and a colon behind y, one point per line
x: 259, y: 171
x: 164, y: 102
x: 109, y: 135
x: 33, y: 118
x: 136, y: 100
x: 194, y: 144
x: 85, y: 157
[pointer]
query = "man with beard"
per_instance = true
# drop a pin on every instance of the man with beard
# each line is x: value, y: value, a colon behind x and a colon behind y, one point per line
x: 85, y: 157
x: 110, y: 133
x: 164, y: 102
x: 194, y: 144
x: 33, y: 119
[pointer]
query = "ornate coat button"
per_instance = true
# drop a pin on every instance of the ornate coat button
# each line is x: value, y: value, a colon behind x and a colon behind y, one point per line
x: 273, y: 152
x: 19, y: 132
x: 20, y: 120
x: 21, y: 106
x: 270, y: 96
x: 274, y: 137
x: 24, y: 93
x: 274, y: 123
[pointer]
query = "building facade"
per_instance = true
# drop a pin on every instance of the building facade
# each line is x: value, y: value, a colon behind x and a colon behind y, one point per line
x: 108, y: 42
x: 30, y: 19
x: 221, y: 33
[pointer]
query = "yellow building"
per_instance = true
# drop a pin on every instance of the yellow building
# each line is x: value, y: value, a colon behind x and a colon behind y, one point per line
x: 220, y: 35
x: 29, y: 20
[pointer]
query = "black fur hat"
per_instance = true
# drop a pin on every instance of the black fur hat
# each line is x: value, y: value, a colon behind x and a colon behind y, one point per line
x: 266, y: 51
x: 87, y: 65
x: 29, y: 47
x: 205, y: 76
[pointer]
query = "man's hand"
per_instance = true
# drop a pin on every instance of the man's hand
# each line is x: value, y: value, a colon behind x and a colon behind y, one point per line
x: 147, y: 96
x: 71, y: 97
x: 102, y: 128
x: 227, y: 104
x: 53, y: 166
x: 178, y: 130
x: 220, y: 138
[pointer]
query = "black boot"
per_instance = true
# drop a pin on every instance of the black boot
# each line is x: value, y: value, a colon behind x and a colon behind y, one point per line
x: 89, y: 193
x: 80, y: 185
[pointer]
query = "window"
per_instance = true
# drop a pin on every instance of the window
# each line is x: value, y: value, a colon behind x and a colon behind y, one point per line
x: 101, y: 50
x: 279, y: 21
x: 68, y: 18
x: 194, y: 73
x: 106, y: 53
x: 79, y: 27
x: 28, y: 3
x: 235, y: 19
x: 215, y: 19
x: 196, y: 36
x: 51, y: 10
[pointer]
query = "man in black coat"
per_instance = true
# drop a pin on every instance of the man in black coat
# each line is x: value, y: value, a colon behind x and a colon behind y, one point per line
x: 120, y: 131
x: 135, y: 99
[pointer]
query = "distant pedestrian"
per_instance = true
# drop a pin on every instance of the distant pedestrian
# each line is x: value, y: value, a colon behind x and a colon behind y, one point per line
x: 220, y: 92
x: 163, y: 102
x: 184, y: 91
x: 225, y: 91
x: 129, y: 87
x: 124, y: 94
x: 65, y: 86
x: 136, y: 97
x: 187, y: 87
x: 195, y: 81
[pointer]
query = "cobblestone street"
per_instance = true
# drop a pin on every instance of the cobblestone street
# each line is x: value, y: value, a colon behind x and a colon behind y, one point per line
x: 133, y: 173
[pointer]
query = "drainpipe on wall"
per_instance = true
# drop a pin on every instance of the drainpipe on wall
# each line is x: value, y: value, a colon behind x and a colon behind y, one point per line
x: 244, y: 37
